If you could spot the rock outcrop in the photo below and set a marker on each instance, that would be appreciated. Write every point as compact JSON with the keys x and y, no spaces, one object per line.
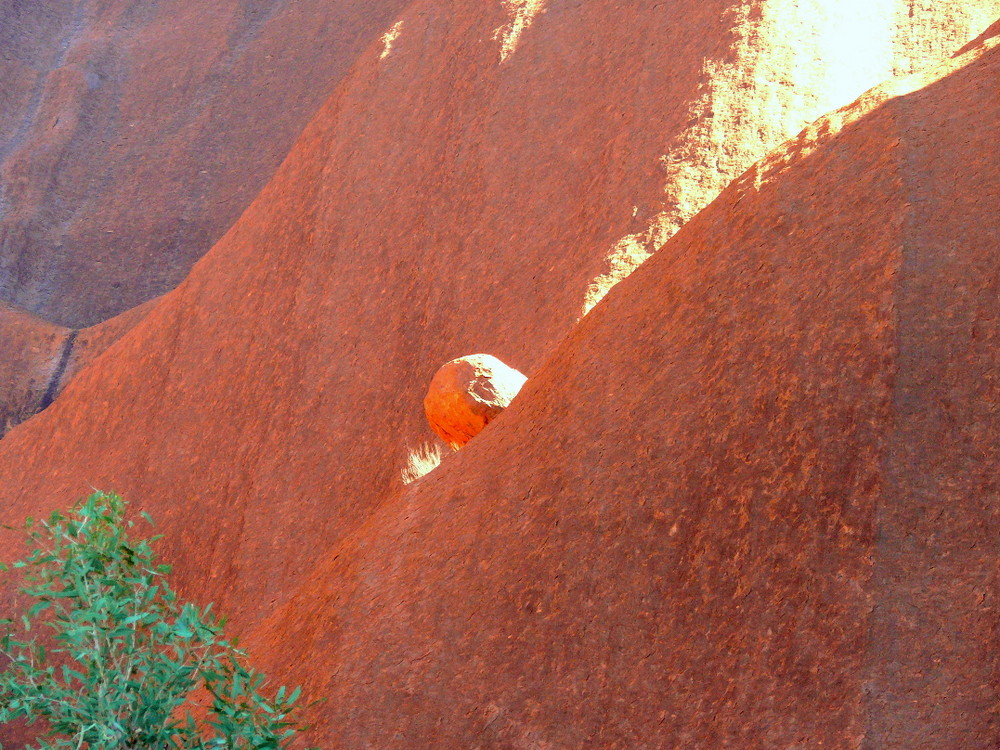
{"x":437,"y":166}
{"x":675,"y":526}
{"x":39,"y":359}
{"x":134,"y":133}
{"x":30,"y":354}
{"x":750,"y":501}
{"x":468,"y":393}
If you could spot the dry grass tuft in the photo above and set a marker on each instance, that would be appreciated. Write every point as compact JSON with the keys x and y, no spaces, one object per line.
{"x":421,"y":461}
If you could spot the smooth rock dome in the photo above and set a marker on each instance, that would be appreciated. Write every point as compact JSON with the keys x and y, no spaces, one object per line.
{"x":467,"y":394}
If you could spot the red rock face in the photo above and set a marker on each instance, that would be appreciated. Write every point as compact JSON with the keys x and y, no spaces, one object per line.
{"x":90,"y":343}
{"x":29,"y":368}
{"x":322,"y":312}
{"x":134,"y":133}
{"x":481,"y":177}
{"x":39,"y":359}
{"x":751,"y":500}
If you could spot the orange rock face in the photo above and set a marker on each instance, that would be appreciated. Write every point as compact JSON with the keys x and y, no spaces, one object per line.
{"x":693,"y":527}
{"x":749,"y":502}
{"x":39,"y":358}
{"x":467,"y":394}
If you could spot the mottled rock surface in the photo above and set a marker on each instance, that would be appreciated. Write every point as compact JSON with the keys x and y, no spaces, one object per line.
{"x":30,"y":353}
{"x":679,"y":532}
{"x":468,"y":393}
{"x":435,"y":166}
{"x":134,"y":133}
{"x":751,"y":500}
{"x":38,"y":359}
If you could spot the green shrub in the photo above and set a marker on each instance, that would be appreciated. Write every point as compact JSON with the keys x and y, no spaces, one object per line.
{"x":123,"y":658}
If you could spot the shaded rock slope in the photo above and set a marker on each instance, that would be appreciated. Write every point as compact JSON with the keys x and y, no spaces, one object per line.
{"x":134,"y":133}
{"x":480,"y":179}
{"x":39,"y":359}
{"x":751,"y":501}
{"x":31,"y":353}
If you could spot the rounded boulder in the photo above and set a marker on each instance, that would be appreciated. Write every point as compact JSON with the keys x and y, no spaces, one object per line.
{"x":467,"y":394}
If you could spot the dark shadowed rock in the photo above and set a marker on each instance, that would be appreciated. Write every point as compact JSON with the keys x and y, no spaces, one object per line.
{"x":134,"y":133}
{"x":30,"y":354}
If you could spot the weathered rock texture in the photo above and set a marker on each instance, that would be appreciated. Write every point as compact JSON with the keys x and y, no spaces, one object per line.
{"x":90,"y":343}
{"x":436,"y":166}
{"x":30,"y":353}
{"x":133,"y":133}
{"x":468,"y":188}
{"x":262,"y":387}
{"x":39,"y":359}
{"x":467,"y":394}
{"x":751,"y":501}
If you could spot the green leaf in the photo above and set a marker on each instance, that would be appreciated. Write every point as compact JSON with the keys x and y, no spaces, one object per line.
{"x":129,"y":653}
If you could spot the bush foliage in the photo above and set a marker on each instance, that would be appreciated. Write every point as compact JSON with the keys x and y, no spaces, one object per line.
{"x":108,"y":658}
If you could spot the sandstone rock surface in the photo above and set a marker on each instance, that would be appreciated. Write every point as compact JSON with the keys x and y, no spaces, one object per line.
{"x":484,"y":174}
{"x":39,"y":359}
{"x":134,"y":133}
{"x":468,"y":393}
{"x":434,"y":167}
{"x":750,"y":501}
{"x":30,"y":353}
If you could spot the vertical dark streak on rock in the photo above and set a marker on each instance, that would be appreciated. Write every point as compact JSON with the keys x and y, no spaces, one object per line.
{"x":57,"y":376}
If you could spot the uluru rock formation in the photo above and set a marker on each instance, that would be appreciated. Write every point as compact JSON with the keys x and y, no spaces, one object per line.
{"x":712,"y":514}
{"x":751,"y":499}
{"x":467,"y":394}
{"x":133,"y":133}
{"x":39,"y":358}
{"x":442,"y":201}
{"x":32,"y":351}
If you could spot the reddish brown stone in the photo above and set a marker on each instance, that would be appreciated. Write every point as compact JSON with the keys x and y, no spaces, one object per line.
{"x":672,"y":543}
{"x":467,"y":394}
{"x":441,"y":202}
{"x":134,"y":133}
{"x":30,"y":355}
{"x":39,"y":358}
{"x":751,"y":501}
{"x":90,"y":343}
